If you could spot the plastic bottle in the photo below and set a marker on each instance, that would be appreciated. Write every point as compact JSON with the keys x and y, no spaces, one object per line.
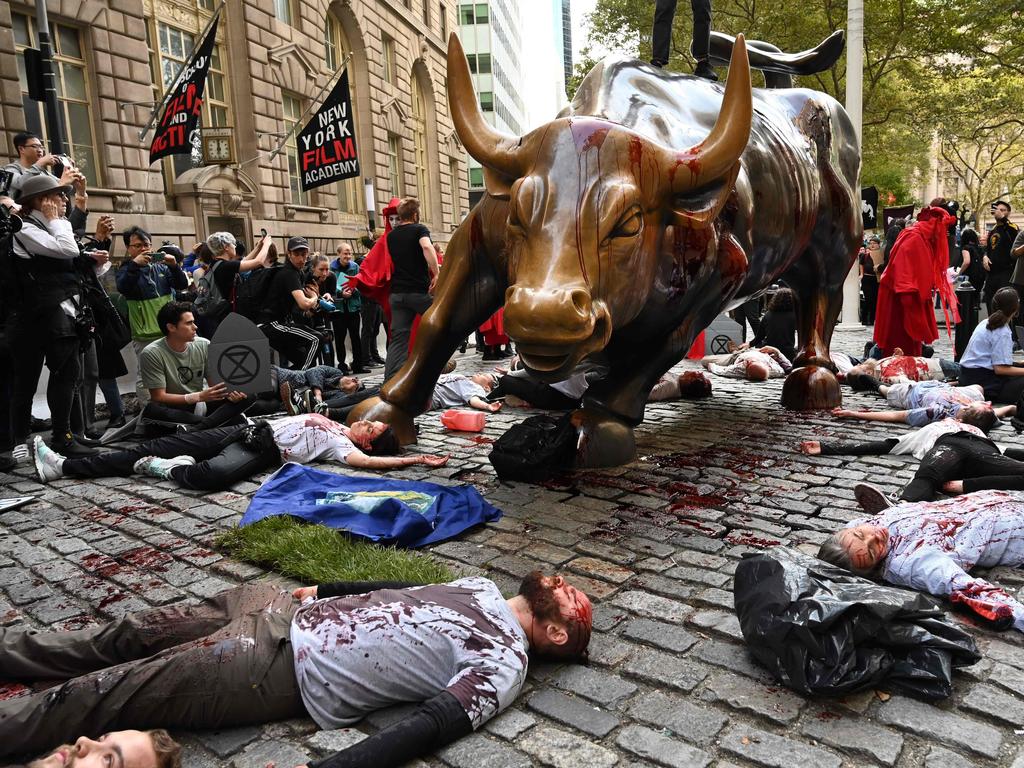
{"x":463,"y":421}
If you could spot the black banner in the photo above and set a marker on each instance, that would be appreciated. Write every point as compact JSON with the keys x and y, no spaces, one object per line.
{"x":180,"y":120}
{"x":891,"y":214}
{"x":327,"y":145}
{"x":869,"y":206}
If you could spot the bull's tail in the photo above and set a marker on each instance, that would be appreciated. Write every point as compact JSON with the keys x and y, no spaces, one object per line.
{"x":779,"y":67}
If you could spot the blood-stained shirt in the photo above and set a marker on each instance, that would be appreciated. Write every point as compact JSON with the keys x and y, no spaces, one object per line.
{"x":920,"y":441}
{"x":929,"y":401}
{"x":932,"y":545}
{"x":913,"y":368}
{"x":359,"y":653}
{"x":311,"y":436}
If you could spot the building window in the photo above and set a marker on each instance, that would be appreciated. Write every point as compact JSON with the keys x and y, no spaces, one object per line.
{"x":476,"y":178}
{"x":395,"y":165}
{"x":426,"y":14}
{"x":481,"y":13}
{"x":419,"y":136}
{"x":453,"y":173}
{"x":205,"y":5}
{"x":389,"y":59}
{"x":466,"y":15}
{"x":292,"y":114}
{"x":331,"y":32}
{"x":283,"y":10}
{"x":487,"y":101}
{"x":73,"y":95}
{"x":174,"y":46}
{"x":483,"y":63}
{"x":442,"y":17}
{"x":338,"y":50}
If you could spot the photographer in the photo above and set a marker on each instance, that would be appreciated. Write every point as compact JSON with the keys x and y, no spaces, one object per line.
{"x":33,"y":160}
{"x":50,"y":321}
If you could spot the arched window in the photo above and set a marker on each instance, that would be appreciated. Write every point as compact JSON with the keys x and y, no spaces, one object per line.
{"x":419,"y":137}
{"x":336,"y":51}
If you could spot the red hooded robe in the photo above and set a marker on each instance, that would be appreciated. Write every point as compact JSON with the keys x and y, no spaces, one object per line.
{"x":917,"y":265}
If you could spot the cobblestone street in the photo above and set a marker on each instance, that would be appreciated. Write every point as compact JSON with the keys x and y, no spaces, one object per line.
{"x":654,"y":543}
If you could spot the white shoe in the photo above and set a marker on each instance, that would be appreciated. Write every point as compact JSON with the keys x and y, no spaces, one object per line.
{"x":49,"y":463}
{"x":157,"y":467}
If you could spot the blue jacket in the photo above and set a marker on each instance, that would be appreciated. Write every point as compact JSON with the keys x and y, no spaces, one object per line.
{"x":147,"y":289}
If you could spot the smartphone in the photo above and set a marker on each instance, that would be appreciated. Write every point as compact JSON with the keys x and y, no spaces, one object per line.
{"x":263,"y":233}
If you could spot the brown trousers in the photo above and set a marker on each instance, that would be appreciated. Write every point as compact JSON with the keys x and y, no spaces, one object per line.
{"x":222,"y":663}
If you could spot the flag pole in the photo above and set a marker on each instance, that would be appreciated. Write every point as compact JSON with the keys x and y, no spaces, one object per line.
{"x":170,"y":90}
{"x":313,"y":103}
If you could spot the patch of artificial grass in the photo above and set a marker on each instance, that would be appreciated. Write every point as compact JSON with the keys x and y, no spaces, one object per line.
{"x":315,"y":554}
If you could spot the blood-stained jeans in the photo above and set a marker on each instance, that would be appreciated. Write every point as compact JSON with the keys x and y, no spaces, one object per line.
{"x":223,"y":663}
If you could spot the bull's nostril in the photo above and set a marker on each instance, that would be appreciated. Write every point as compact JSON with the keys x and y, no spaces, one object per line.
{"x":580,"y":301}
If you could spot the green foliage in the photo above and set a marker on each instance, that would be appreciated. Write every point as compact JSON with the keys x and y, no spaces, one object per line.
{"x":315,"y":554}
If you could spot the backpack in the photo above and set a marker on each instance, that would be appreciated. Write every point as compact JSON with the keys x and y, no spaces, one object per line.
{"x":251,"y":292}
{"x":535,"y":449}
{"x":209,"y":301}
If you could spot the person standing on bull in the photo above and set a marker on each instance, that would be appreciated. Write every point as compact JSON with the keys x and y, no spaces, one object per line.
{"x":412,"y":281}
{"x":998,"y":260}
{"x":664,"y":13}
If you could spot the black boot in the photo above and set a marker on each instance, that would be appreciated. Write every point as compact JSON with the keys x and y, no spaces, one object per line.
{"x":66,"y":445}
{"x":705,"y":70}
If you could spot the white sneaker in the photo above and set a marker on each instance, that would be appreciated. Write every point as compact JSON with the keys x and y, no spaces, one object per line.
{"x":49,"y":463}
{"x":157,"y":467}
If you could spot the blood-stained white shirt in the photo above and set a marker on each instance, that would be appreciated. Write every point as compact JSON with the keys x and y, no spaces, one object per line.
{"x":932,"y":545}
{"x":360,"y":653}
{"x":310,"y":436}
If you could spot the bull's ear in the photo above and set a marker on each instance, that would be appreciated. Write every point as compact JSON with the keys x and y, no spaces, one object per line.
{"x":701,"y":206}
{"x":497,"y":184}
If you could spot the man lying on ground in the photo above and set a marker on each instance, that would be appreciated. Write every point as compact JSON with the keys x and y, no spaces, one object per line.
{"x":322,"y":389}
{"x":688,"y":384}
{"x":116,"y":749}
{"x":215,"y":459}
{"x":923,"y":402}
{"x":750,"y":364}
{"x":949,"y":450}
{"x":931,"y":546}
{"x":335,"y":653}
{"x":899,"y":367}
{"x":521,"y":387}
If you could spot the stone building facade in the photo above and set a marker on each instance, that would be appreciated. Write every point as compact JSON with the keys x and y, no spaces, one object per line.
{"x":272,"y":61}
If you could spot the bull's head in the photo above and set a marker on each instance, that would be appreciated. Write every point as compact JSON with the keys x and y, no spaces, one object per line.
{"x":589,"y":204}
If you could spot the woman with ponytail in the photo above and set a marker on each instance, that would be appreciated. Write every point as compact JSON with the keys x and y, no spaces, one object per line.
{"x":988,"y":359}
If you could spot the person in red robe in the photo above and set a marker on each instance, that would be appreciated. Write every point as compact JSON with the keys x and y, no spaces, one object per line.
{"x":374,"y":276}
{"x":905,"y":317}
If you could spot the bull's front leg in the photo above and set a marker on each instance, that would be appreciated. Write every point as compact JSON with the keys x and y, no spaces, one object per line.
{"x":468,"y":292}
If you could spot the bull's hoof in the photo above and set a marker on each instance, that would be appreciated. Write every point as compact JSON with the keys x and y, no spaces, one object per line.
{"x":811,"y":388}
{"x":605,"y":440}
{"x":375,"y":409}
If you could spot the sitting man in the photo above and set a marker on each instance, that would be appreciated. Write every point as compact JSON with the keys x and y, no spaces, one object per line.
{"x":949,"y":450}
{"x":335,"y":653}
{"x":750,"y":364}
{"x":923,"y":402}
{"x":930,"y":546}
{"x":215,"y":459}
{"x":899,"y":367}
{"x":173,"y":369}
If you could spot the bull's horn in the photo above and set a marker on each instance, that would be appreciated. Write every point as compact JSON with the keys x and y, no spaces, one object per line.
{"x":719,"y":152}
{"x":491,"y":148}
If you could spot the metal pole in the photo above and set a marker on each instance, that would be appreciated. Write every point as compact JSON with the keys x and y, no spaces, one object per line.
{"x":53,"y":130}
{"x":854,"y":107}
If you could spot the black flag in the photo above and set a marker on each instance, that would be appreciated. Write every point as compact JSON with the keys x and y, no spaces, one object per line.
{"x":327,"y":145}
{"x":184,"y":103}
{"x":891,"y":214}
{"x":869,"y":206}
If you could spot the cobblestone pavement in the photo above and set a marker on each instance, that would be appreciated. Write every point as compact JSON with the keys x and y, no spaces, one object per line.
{"x":655,"y":543}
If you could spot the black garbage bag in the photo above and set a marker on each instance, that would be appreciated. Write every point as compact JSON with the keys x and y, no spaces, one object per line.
{"x":820,"y":630}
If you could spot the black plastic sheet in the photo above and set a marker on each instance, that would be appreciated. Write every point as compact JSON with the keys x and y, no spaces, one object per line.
{"x":822,"y":631}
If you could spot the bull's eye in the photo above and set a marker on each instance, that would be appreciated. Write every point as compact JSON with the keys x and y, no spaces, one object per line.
{"x":629,"y":225}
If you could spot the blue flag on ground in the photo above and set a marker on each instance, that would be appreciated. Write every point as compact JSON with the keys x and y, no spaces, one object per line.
{"x":398,"y":512}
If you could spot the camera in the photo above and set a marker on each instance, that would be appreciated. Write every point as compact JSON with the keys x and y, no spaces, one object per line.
{"x":10,"y":223}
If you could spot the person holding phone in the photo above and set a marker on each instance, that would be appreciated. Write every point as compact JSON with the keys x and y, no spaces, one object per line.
{"x":147,"y":280}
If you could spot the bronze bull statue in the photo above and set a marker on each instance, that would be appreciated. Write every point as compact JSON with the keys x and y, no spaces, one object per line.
{"x":651,"y":204}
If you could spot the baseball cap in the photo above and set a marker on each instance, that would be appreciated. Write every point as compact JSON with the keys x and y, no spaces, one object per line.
{"x":297,"y":243}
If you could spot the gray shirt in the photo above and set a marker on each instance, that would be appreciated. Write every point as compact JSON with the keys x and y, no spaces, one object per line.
{"x":454,"y":389}
{"x":360,"y":653}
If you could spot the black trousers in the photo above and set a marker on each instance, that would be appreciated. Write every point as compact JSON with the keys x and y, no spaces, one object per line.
{"x":297,"y":343}
{"x":372,"y":317}
{"x":347,"y":323}
{"x":993,"y":282}
{"x":536,"y":393}
{"x":404,"y":309}
{"x":219,"y":462}
{"x":661,"y":42}
{"x":48,"y":336}
{"x":223,"y":663}
{"x":998,"y":389}
{"x":217,"y":414}
{"x":869,"y":285}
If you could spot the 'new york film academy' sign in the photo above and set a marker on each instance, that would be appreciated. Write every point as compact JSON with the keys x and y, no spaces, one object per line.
{"x":184,"y":105}
{"x":327,"y":145}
